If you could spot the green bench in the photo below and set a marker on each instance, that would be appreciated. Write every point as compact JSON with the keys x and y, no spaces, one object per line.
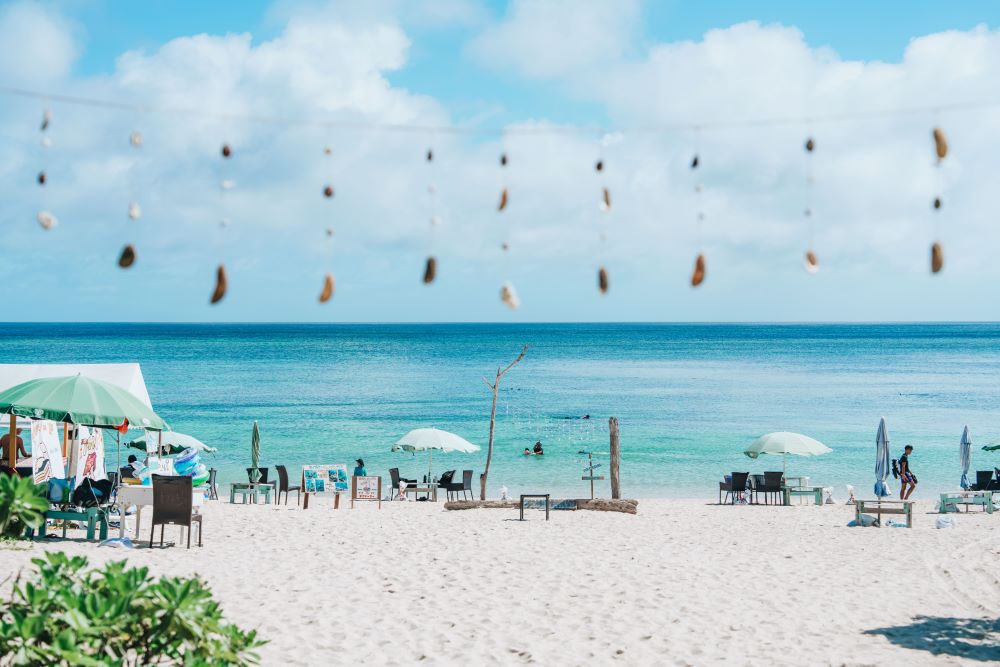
{"x":814,"y":491}
{"x":956,"y":498}
{"x":94,"y":516}
{"x":251,"y":491}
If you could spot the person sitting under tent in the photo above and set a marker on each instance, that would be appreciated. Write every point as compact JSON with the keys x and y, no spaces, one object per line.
{"x":5,"y":445}
{"x":131,"y":468}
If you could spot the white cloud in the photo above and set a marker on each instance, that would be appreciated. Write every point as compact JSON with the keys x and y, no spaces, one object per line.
{"x":37,"y":45}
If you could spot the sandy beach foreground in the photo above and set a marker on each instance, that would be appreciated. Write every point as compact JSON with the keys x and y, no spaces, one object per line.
{"x":683,"y":582}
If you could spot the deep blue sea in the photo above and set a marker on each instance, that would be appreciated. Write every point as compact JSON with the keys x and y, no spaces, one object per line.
{"x":689,"y":397}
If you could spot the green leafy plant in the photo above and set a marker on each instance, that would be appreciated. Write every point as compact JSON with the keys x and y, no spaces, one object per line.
{"x":20,"y":505}
{"x":66,"y":614}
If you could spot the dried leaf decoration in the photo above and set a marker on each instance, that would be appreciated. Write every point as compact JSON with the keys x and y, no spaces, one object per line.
{"x":602,"y":280}
{"x":46,"y":120}
{"x":221,"y":284}
{"x":940,"y":143}
{"x":327,"y":292}
{"x":503,"y":200}
{"x":503,"y":159}
{"x":42,"y":178}
{"x":430,"y":155}
{"x":937,"y":258}
{"x":694,"y":162}
{"x":226,"y":150}
{"x":698,"y":277}
{"x":134,"y":211}
{"x":47,"y":220}
{"x":127,"y":257}
{"x":430,"y":270}
{"x":606,"y":200}
{"x":328,"y":191}
{"x":509,"y":296}
{"x":135,"y":139}
{"x":937,"y":203}
{"x":810,"y":145}
{"x":599,"y":167}
{"x":812,"y":263}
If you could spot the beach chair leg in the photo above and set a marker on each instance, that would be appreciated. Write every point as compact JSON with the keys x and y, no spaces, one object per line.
{"x":152,"y":534}
{"x":201,"y":528}
{"x":162,"y":527}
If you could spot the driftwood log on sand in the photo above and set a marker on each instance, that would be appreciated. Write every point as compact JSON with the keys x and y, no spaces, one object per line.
{"x":599,"y":505}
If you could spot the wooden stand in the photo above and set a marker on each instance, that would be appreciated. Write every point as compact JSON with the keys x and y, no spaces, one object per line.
{"x":354,"y":492}
{"x":615,"y":457}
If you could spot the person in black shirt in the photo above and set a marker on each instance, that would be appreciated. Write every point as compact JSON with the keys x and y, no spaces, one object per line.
{"x":907,"y":480}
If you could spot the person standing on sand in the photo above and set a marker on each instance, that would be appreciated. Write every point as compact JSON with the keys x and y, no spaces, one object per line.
{"x":5,"y":446}
{"x":359,"y":470}
{"x":906,"y":477}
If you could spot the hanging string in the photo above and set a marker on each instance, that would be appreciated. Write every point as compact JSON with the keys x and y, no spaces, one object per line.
{"x":508,"y":294}
{"x":941,"y":151}
{"x":225,"y":184}
{"x":812,"y":262}
{"x":605,"y":207}
{"x":329,"y":282}
{"x":698,"y":275}
{"x":846,"y":116}
{"x":44,"y":217}
{"x":430,"y":267}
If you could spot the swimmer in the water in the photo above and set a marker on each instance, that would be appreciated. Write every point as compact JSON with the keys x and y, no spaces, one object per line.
{"x":538,"y":448}
{"x":527,"y":452}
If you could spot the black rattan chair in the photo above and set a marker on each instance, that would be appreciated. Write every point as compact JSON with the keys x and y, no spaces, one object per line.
{"x":738,"y":485}
{"x":173,"y":504}
{"x":983,"y":480}
{"x":463,"y":487}
{"x":396,"y":479}
{"x":283,"y":486}
{"x":772,"y":486}
{"x":263,"y":475}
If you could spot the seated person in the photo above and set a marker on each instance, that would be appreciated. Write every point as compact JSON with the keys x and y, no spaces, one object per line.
{"x":538,"y":448}
{"x":5,"y":445}
{"x":132,"y":468}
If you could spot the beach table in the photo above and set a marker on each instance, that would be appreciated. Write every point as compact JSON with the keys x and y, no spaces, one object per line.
{"x":984,"y":498}
{"x":430,"y":488}
{"x":881,"y":506}
{"x":800,"y":481}
{"x":142,"y":496}
{"x":252,"y":489}
{"x":815,"y":491}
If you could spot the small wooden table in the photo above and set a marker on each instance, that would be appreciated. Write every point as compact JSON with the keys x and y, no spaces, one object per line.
{"x":430,"y":488}
{"x":535,"y":495}
{"x":815,"y":491}
{"x":251,"y":489}
{"x":984,"y":498}
{"x":880,"y":507}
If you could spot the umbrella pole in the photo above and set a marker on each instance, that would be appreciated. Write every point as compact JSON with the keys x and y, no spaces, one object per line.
{"x":118,"y":443}
{"x":430,"y":464}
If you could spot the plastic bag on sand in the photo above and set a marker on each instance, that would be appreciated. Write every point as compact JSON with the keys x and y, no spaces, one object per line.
{"x":945,"y":522}
{"x":118,"y":543}
{"x":866,"y":520}
{"x":828,"y":496}
{"x":850,"y":496}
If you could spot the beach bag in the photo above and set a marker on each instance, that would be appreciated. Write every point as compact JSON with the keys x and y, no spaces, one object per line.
{"x":895,"y":468}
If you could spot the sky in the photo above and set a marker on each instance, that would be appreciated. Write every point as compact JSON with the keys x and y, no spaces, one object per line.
{"x":556,"y":86}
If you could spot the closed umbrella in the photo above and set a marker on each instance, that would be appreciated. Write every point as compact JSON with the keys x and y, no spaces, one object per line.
{"x":785,"y":443}
{"x":254,"y":453}
{"x":965,"y":456}
{"x":882,"y":462}
{"x":429,"y":439}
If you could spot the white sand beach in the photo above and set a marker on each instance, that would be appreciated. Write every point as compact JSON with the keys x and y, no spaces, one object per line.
{"x":683,"y":582}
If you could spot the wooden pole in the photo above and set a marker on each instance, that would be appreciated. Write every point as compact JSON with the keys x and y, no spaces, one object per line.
{"x":495,"y":388}
{"x":65,"y":441}
{"x":12,"y":445}
{"x":615,"y":454}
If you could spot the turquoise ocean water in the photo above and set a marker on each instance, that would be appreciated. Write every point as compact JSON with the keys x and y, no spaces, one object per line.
{"x":689,"y":397}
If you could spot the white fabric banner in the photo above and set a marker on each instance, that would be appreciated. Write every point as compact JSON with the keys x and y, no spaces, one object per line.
{"x":46,"y":451}
{"x":90,"y":454}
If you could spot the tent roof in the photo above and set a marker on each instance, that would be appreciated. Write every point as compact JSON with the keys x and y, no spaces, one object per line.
{"x":126,"y":376}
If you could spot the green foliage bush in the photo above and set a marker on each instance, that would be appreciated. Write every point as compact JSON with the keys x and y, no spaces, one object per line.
{"x":66,"y":614}
{"x":20,"y":505}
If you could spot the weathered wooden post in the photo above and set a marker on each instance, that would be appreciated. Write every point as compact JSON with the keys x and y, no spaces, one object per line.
{"x":615,"y":455}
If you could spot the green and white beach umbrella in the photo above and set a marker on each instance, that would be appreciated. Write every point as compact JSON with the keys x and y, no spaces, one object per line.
{"x":255,"y":453}
{"x":785,"y":443}
{"x":430,"y":439}
{"x":78,"y":399}
{"x":174,"y":442}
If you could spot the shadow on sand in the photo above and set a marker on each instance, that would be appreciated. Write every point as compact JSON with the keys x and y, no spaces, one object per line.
{"x":969,"y":638}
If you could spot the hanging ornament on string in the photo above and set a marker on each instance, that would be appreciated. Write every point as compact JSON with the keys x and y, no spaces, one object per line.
{"x":698,"y":275}
{"x":811,"y":261}
{"x":941,"y":151}
{"x":430,"y":265}
{"x":329,"y":282}
{"x":605,"y":206}
{"x":45,"y":219}
{"x":127,"y":256}
{"x":226,"y":184}
{"x":508,"y":294}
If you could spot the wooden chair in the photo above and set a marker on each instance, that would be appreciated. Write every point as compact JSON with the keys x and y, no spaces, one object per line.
{"x":283,"y":486}
{"x":173,"y":504}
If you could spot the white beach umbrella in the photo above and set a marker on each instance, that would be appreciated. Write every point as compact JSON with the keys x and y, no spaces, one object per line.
{"x":785,"y":443}
{"x":430,"y":439}
{"x":882,"y":463}
{"x":965,"y":456}
{"x":173,"y":439}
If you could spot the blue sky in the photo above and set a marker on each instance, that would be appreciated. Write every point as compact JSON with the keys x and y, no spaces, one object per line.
{"x":463,"y":63}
